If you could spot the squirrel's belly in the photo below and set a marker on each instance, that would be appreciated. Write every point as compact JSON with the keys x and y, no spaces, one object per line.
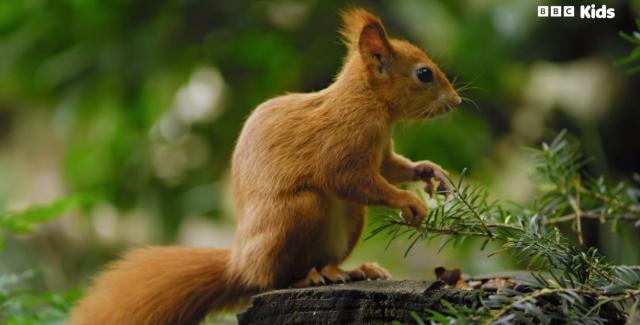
{"x":336,"y":230}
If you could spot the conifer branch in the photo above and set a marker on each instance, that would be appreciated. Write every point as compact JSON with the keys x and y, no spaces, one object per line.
{"x":582,"y":279}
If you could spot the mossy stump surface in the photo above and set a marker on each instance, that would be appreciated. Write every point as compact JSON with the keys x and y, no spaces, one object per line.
{"x":382,"y":302}
{"x":364,"y":302}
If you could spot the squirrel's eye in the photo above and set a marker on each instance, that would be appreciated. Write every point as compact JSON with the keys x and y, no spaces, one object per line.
{"x":424,"y":74}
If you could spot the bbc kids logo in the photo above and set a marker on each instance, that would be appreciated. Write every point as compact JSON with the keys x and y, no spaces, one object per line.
{"x":585,"y":12}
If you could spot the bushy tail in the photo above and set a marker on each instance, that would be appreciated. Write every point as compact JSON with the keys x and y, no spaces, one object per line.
{"x":160,"y":285}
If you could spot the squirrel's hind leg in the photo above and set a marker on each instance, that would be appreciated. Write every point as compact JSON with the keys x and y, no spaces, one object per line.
{"x":355,"y":217}
{"x":352,"y":218}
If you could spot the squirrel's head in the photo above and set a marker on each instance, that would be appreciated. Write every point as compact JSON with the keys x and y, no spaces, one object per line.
{"x":399,"y":72}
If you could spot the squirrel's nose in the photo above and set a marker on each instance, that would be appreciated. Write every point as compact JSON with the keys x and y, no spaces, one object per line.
{"x":456,"y":100}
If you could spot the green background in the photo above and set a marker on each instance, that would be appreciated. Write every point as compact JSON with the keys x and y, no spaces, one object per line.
{"x":124,"y":115}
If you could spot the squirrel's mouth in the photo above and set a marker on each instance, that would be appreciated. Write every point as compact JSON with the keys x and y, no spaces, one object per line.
{"x":435,"y":111}
{"x":441,"y":106}
{"x":445,"y":108}
{"x":448,"y":104}
{"x":437,"y":108}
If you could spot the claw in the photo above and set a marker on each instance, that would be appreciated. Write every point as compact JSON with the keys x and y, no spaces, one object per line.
{"x":313,"y":278}
{"x":357,"y":275}
{"x":434,"y":176}
{"x":334,"y":274}
{"x":372,"y":271}
{"x":423,"y":172}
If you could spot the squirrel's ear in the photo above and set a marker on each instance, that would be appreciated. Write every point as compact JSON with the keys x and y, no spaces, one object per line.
{"x":374,"y":47}
{"x":364,"y":33}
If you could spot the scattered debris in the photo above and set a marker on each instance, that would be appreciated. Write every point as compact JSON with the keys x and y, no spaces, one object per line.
{"x":450,"y":277}
{"x":453,"y":279}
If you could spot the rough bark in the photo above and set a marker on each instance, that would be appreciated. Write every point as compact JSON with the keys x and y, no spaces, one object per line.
{"x":365,"y":302}
{"x":378,"y":302}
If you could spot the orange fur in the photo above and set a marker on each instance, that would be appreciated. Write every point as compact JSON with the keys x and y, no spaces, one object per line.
{"x":303,"y":170}
{"x":160,"y":285}
{"x":354,"y":20}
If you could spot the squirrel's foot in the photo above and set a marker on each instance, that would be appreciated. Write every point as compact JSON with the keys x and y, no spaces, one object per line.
{"x":369,"y":271}
{"x":335,"y":274}
{"x":313,"y":278}
{"x":328,"y":274}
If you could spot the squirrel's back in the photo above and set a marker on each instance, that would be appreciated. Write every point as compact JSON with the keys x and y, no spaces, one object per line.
{"x":271,"y":154}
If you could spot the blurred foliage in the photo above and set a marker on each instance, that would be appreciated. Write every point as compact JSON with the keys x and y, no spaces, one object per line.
{"x":23,"y":305}
{"x":120,"y":117}
{"x":634,"y":56}
{"x":25,"y":308}
{"x":24,"y":222}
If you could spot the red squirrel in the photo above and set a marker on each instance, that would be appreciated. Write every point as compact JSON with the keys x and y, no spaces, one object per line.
{"x":304,"y":169}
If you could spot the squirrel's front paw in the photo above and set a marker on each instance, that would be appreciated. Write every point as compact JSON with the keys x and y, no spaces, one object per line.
{"x":413,"y":209}
{"x":433,"y":175}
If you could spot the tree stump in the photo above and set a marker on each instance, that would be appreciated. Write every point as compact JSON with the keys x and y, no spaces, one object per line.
{"x":384,"y":302}
{"x":364,"y":302}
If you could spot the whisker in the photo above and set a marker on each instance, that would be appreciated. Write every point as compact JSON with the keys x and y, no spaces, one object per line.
{"x":469,"y":84}
{"x":471,"y":101}
{"x":419,"y":113}
{"x":466,"y":87}
{"x":454,"y":80}
{"x":422,"y":112}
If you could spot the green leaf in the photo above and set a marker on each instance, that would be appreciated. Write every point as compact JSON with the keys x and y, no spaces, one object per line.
{"x":22,"y":221}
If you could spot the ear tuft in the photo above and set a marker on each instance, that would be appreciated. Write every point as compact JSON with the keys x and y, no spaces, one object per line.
{"x":373,"y":43}
{"x":354,"y":21}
